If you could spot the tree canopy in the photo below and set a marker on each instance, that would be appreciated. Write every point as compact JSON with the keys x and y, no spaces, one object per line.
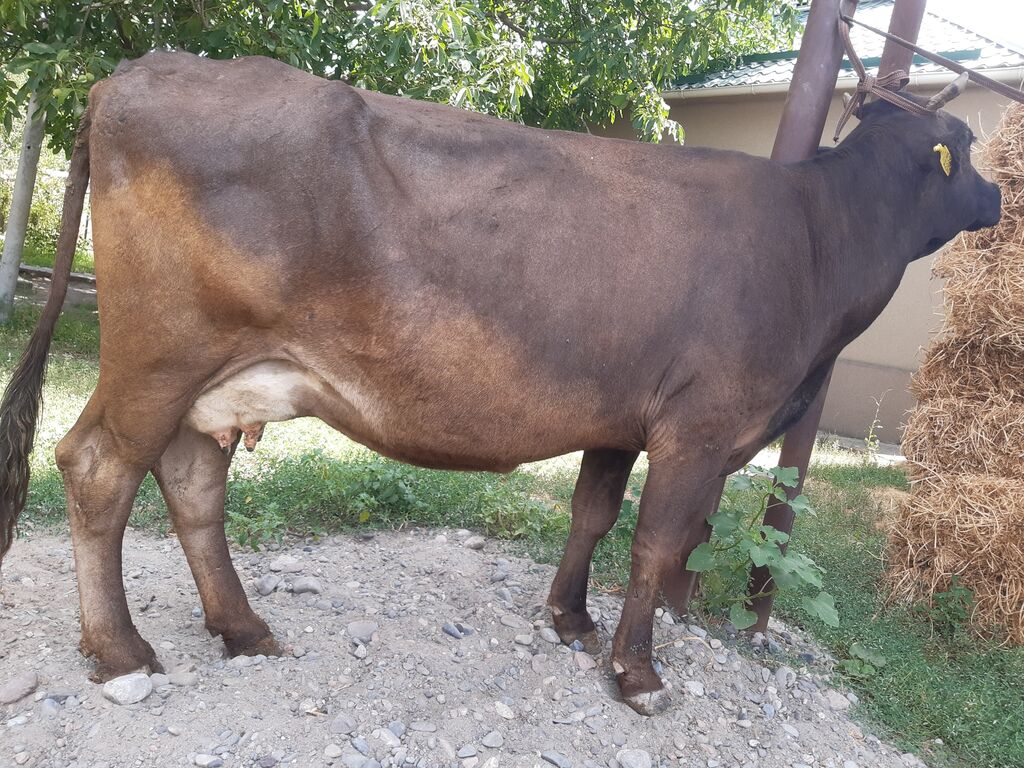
{"x":552,"y":63}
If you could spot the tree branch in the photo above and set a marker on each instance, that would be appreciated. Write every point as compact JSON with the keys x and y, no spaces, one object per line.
{"x":504,"y":19}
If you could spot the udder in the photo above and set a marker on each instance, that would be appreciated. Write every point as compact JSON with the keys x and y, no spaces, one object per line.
{"x":268,"y":391}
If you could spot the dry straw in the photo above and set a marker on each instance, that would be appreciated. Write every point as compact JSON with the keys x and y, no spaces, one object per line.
{"x":965,"y":439}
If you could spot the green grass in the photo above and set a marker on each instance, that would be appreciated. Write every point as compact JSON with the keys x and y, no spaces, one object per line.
{"x":35,"y":256}
{"x":307,"y":479}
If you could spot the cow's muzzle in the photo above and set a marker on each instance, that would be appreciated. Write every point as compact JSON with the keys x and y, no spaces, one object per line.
{"x":990,"y":207}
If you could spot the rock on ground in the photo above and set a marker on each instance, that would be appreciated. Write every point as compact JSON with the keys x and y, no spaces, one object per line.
{"x":370,"y":680}
{"x":18,"y":687}
{"x":128,"y":689}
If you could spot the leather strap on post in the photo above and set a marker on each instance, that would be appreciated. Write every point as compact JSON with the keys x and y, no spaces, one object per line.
{"x":883,"y":87}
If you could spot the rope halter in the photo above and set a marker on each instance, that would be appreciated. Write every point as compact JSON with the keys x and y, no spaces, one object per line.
{"x":884,"y":87}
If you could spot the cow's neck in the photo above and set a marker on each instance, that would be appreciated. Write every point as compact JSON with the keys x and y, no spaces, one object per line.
{"x":860,"y":205}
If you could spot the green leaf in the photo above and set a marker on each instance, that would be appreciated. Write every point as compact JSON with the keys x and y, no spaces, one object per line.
{"x":740,"y":483}
{"x":773,"y":534}
{"x":724,"y":522}
{"x":783,"y":578}
{"x":801,"y":505}
{"x":702,"y":558}
{"x":787,"y":476}
{"x":857,"y":668}
{"x":763,"y":554}
{"x":740,"y":617}
{"x":822,"y":606}
{"x":864,"y":653}
{"x":38,"y":49}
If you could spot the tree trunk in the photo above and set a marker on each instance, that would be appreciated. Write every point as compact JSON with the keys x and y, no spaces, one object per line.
{"x":21,"y":203}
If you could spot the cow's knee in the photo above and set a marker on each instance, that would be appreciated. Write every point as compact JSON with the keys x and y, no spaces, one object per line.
{"x":74,"y":453}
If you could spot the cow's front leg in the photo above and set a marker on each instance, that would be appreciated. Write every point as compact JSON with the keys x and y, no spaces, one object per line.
{"x":192,"y":473}
{"x":101,"y":483}
{"x":674,"y":501}
{"x":595,"y":508}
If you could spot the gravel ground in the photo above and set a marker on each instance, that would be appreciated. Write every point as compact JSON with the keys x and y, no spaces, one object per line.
{"x":406,"y":649}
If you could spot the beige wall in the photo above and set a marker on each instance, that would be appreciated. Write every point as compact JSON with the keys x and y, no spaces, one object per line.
{"x":878,"y":364}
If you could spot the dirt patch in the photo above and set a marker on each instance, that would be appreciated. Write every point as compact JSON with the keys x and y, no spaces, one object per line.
{"x":459,"y":671}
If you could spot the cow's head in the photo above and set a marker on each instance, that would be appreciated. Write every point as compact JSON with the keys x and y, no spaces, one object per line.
{"x":948,"y":194}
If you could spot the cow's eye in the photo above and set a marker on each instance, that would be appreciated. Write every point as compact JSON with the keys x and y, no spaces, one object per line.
{"x":945,"y":158}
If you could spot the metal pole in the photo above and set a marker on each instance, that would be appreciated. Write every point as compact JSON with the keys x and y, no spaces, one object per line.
{"x":803,"y":119}
{"x":799,"y":441}
{"x":906,"y":23}
{"x":814,"y":82}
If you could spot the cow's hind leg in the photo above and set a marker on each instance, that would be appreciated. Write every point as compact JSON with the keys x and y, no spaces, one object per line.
{"x":192,"y":473}
{"x":675,"y":499}
{"x":595,"y":508}
{"x":102,"y":471}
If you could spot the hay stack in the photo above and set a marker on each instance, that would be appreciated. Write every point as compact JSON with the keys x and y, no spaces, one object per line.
{"x":965,"y":439}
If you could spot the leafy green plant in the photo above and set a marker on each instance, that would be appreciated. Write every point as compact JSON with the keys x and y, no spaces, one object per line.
{"x":256,"y":527}
{"x":949,"y":611}
{"x":526,"y":518}
{"x":863,"y":662}
{"x":740,"y":540}
{"x":381,"y":485}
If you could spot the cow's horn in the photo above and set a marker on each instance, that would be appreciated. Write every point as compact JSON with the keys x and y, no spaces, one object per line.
{"x":948,"y":93}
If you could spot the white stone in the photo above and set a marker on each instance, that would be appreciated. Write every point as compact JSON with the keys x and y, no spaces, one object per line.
{"x":362,"y":631}
{"x":694,"y":687}
{"x":128,"y":689}
{"x":633,"y":758}
{"x":836,"y":700}
{"x":286,"y":564}
{"x":585,"y":661}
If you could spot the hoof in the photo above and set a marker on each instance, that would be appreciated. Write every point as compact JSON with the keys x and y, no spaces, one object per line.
{"x":649,"y":703}
{"x":265,"y":645}
{"x":590,"y":640}
{"x":108,"y":666}
{"x":572,"y":627}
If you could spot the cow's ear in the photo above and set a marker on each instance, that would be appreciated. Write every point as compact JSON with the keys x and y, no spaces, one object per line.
{"x":945,"y":158}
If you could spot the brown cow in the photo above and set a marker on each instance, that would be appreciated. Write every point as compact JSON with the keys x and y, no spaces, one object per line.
{"x":456,"y":292}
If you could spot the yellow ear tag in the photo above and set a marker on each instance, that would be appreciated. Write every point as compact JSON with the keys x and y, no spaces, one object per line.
{"x":945,"y":158}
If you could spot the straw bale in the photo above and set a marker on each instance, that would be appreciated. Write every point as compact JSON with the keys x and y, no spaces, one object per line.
{"x":965,"y":438}
{"x":969,"y":366}
{"x":985,"y":293}
{"x":971,"y":526}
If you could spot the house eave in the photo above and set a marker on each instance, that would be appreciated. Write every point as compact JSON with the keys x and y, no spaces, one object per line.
{"x":1010,"y":75}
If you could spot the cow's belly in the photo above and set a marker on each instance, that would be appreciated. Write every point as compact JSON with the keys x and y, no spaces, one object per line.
{"x":450,"y":424}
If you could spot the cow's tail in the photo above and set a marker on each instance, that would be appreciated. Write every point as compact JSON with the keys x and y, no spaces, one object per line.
{"x":19,"y":409}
